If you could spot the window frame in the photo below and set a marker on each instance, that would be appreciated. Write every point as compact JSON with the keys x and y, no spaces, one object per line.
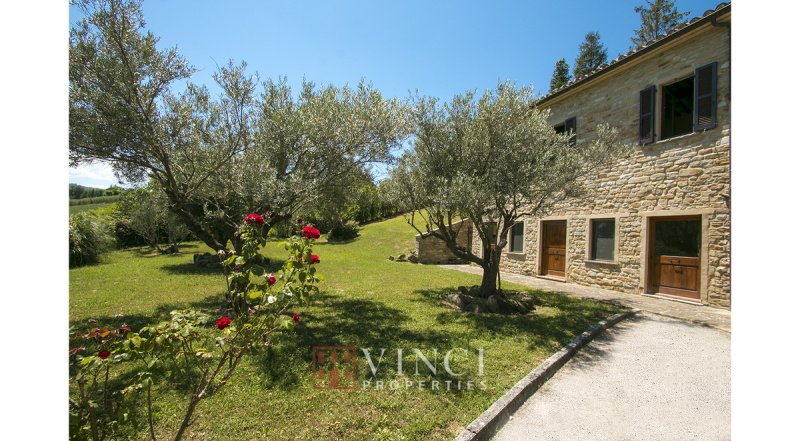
{"x":661,"y":103}
{"x":510,"y":238}
{"x":657,"y":103}
{"x":569,"y":124}
{"x":590,"y":237}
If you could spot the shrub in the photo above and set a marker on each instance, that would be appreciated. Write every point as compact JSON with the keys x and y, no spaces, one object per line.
{"x":343,"y":232}
{"x":144,"y":213}
{"x":89,"y":236}
{"x":193,"y":350}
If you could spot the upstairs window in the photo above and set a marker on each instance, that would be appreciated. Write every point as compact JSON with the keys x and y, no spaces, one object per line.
{"x":568,"y":126}
{"x":677,"y":108}
{"x":687,"y":105}
{"x":516,"y":239}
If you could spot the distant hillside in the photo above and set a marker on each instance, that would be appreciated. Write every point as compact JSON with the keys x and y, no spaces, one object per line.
{"x":77,"y":191}
{"x":95,"y":200}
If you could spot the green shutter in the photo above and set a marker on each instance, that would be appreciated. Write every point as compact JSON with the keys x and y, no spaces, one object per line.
{"x":571,"y":126}
{"x":647,"y":115}
{"x":705,"y":97}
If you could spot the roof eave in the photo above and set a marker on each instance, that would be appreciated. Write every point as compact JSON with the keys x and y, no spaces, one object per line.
{"x":712,"y":18}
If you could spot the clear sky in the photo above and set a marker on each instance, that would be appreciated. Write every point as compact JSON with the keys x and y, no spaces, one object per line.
{"x":439,"y":48}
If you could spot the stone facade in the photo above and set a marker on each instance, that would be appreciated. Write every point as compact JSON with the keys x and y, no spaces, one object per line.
{"x":684,"y":175}
{"x":433,"y":250}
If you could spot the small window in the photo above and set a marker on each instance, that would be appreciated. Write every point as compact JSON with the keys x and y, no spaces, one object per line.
{"x":677,"y":110}
{"x":688,"y":105}
{"x":602,"y":239}
{"x":517,"y":236}
{"x":568,"y":126}
{"x":492,"y":232}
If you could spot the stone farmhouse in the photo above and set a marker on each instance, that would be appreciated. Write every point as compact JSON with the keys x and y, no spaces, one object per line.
{"x":658,"y":223}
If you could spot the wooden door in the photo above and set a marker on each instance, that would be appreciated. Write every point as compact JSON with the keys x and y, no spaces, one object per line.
{"x":674,"y":255}
{"x":554,"y":248}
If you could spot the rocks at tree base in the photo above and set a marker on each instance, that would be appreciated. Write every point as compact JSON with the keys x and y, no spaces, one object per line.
{"x":478,"y":308}
{"x":456,"y":300}
{"x":495,"y":304}
{"x":207,"y":260}
{"x":410,"y":257}
{"x":466,"y":299}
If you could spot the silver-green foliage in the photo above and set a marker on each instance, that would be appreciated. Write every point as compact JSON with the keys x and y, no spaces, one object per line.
{"x":258,"y":147}
{"x":89,"y":236}
{"x":491,"y":159}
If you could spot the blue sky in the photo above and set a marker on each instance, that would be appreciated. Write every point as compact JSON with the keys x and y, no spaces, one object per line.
{"x":439,"y":48}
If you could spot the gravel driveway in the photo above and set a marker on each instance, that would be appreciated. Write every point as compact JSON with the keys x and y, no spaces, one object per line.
{"x":648,"y":378}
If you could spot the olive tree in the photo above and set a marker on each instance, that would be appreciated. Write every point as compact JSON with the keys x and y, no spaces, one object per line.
{"x":255,"y":148}
{"x":491,"y":160}
{"x":146,"y":213}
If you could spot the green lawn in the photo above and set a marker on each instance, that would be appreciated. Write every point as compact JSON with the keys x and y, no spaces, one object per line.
{"x":367,"y":301}
{"x":73,"y":209}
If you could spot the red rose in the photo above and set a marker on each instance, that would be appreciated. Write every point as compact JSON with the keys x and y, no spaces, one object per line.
{"x":253,"y":218}
{"x":103,"y":354}
{"x":310,"y":232}
{"x":314,"y":259}
{"x":223,"y":322}
{"x":296,"y":317}
{"x":271,"y":279}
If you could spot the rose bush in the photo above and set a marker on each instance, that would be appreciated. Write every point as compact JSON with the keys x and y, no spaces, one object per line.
{"x":254,"y":218}
{"x":116,"y":384}
{"x":310,"y":232}
{"x":223,"y":323}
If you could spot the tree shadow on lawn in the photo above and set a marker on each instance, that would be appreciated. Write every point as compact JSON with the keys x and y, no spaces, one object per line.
{"x":572,"y":316}
{"x":339,"y":242}
{"x":189,"y":268}
{"x":209,"y":305}
{"x":148,"y":252}
{"x":345,"y":321}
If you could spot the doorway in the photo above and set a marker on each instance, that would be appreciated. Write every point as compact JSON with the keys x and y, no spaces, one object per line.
{"x":674,"y":256}
{"x":554,"y":248}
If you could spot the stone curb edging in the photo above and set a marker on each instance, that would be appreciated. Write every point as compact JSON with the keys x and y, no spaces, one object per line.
{"x":491,"y":420}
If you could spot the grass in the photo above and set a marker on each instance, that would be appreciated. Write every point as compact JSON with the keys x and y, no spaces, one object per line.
{"x":367,"y":302}
{"x":73,"y":209}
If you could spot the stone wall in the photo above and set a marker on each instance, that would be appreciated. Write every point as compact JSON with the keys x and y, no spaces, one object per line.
{"x":433,"y":250}
{"x":685,"y":175}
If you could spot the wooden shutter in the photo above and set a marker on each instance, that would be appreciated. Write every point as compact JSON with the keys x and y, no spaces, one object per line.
{"x":705,"y":97}
{"x":647,"y":115}
{"x":571,"y":126}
